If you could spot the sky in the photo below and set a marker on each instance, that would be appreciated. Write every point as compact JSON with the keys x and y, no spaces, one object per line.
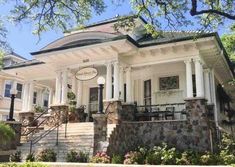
{"x":23,"y":42}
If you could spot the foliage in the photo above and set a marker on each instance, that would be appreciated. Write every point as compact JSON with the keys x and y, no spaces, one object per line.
{"x":165,"y":155}
{"x":38,"y":109}
{"x":227,"y":149}
{"x":72,"y":101}
{"x":228,"y":41}
{"x":73,"y":156}
{"x":27,"y":164}
{"x":7,"y":133}
{"x":15,"y":157}
{"x":117,"y":159}
{"x":168,"y":14}
{"x":30,"y":157}
{"x":47,"y":155}
{"x":188,"y":158}
{"x":55,"y":14}
{"x":100,"y":157}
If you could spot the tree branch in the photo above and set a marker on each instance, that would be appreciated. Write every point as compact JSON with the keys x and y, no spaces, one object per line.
{"x":194,"y":11}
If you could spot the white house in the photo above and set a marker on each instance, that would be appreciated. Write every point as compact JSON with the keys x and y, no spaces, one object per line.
{"x":6,"y":83}
{"x":138,"y":68}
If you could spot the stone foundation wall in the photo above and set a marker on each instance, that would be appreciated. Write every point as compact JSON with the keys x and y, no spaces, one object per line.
{"x":179,"y":134}
{"x":198,"y":132}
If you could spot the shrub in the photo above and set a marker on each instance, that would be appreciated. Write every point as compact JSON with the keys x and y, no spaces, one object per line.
{"x":227,"y":158}
{"x":188,"y":158}
{"x":100,"y":157}
{"x":15,"y":157}
{"x":133,"y":157}
{"x":30,"y":157}
{"x":72,"y":156}
{"x":7,"y":133}
{"x":47,"y":155}
{"x":117,"y":159}
{"x":27,"y":164}
{"x":83,"y":157}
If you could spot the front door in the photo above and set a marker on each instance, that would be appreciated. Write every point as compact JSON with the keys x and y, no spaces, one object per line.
{"x":147,"y":93}
{"x":93,"y":100}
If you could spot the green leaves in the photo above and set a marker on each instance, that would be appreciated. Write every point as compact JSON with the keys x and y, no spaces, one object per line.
{"x":53,"y":14}
{"x":7,"y":133}
{"x":228,"y":41}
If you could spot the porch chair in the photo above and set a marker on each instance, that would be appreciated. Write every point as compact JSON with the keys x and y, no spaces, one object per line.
{"x":170,"y":112}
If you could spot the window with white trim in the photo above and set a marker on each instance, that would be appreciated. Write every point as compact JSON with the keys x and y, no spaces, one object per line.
{"x":34,"y":97}
{"x":8,"y":86}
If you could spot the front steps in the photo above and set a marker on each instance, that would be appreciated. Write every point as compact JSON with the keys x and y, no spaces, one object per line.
{"x":80,"y":137}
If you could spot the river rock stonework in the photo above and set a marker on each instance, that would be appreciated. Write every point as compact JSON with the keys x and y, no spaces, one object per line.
{"x":193,"y":133}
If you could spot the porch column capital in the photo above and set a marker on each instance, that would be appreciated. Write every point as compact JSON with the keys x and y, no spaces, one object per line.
{"x":187,"y":61}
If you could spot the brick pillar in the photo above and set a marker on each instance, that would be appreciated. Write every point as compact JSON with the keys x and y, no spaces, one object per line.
{"x":59,"y":112}
{"x":203,"y":130}
{"x":100,"y":132}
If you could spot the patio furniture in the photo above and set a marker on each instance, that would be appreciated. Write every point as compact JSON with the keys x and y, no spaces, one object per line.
{"x":170,"y":112}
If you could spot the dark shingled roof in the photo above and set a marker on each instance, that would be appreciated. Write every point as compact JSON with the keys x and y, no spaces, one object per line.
{"x":24,"y":64}
{"x":17,"y":55}
{"x":167,"y":36}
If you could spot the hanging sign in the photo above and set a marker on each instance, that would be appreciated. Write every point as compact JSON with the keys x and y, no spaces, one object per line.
{"x":87,"y":73}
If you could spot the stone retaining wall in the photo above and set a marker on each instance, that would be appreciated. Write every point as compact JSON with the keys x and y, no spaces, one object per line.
{"x":197,"y":132}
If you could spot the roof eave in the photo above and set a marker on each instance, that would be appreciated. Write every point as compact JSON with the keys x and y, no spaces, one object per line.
{"x":127,"y":37}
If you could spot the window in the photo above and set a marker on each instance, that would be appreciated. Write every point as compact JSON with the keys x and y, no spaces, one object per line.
{"x":34,"y":97}
{"x":45,"y":99}
{"x":4,"y":117}
{"x":167,"y":83}
{"x":124,"y":92}
{"x":19,"y":88}
{"x":7,"y":92}
{"x":194,"y":85}
{"x":8,"y":86}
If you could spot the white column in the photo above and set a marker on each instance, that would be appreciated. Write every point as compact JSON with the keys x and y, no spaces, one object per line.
{"x":121,"y":83}
{"x":79,"y":93}
{"x":199,"y":78}
{"x":213,"y":88}
{"x":25,"y":97}
{"x":109,"y":81}
{"x":116,"y":80}
{"x":74,"y":85}
{"x":50,"y":101}
{"x":30,"y":97}
{"x":189,"y":81}
{"x":64,"y":87}
{"x":58,"y":88}
{"x":128,"y":85}
{"x":207,"y":85}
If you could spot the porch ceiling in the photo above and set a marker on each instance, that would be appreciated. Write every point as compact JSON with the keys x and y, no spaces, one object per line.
{"x":40,"y":71}
{"x":214,"y":58}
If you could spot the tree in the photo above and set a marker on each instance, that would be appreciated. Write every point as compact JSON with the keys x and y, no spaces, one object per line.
{"x":228,"y":41}
{"x":161,"y":14}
